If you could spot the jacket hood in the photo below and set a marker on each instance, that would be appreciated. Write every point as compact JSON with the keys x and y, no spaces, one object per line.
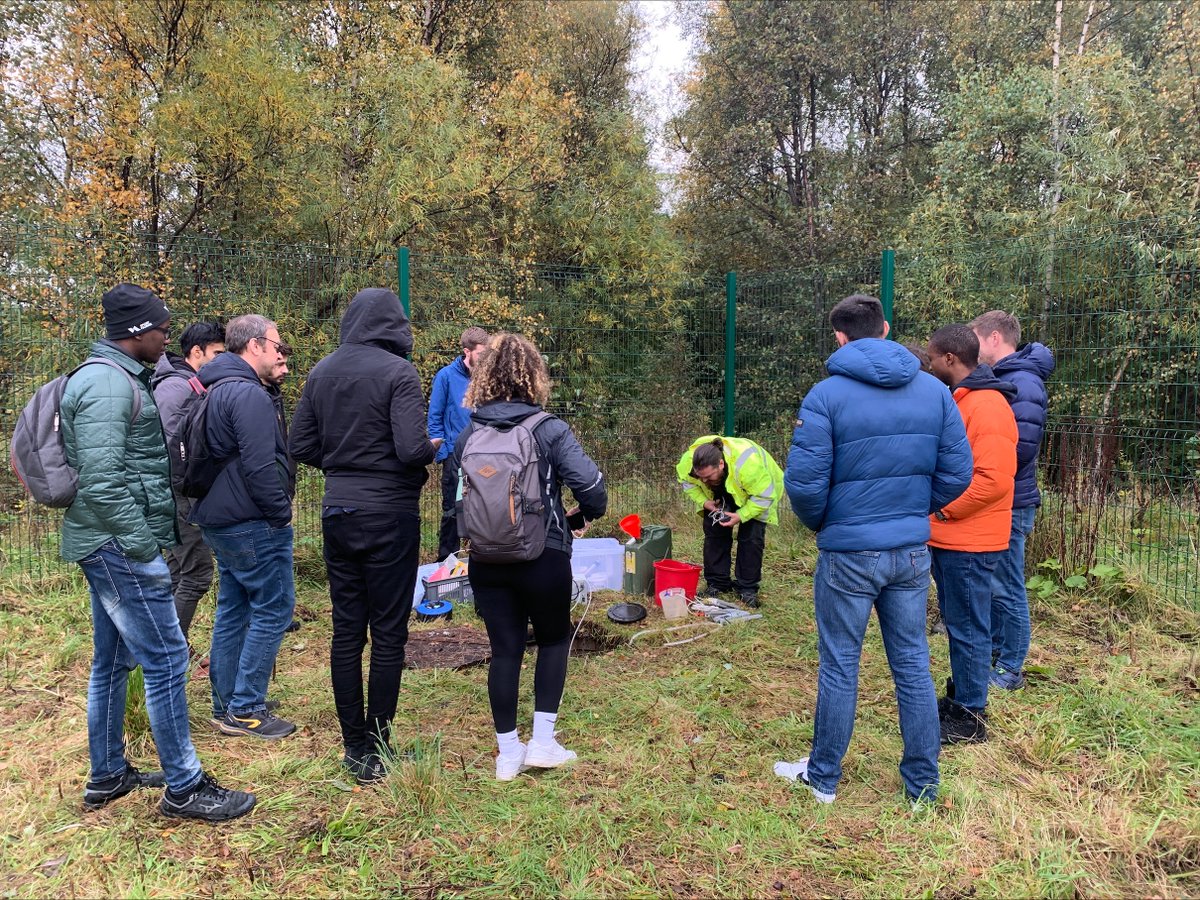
{"x":1032,"y":357}
{"x":376,"y":318}
{"x":504,"y":411}
{"x":874,"y":361}
{"x":168,"y":365}
{"x":228,"y":365}
{"x":984,"y":379}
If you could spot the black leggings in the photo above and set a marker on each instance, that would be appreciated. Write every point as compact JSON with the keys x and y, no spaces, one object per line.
{"x":508,"y":597}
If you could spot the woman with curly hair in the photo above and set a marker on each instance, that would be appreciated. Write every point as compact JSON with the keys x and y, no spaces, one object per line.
{"x":510,"y":384}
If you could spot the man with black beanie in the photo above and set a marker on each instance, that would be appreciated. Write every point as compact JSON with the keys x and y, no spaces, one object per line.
{"x":122,"y":518}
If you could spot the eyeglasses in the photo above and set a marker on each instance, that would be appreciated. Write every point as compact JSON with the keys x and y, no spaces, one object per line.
{"x":165,"y":329}
{"x":281,"y":348}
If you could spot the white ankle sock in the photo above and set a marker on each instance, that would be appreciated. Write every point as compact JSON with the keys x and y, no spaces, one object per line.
{"x":509,"y":743}
{"x":543,"y":727}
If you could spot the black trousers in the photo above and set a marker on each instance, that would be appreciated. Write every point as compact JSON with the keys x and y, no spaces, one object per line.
{"x":448,"y":540}
{"x":371,"y":559}
{"x":718,"y":548}
{"x":508,"y":597}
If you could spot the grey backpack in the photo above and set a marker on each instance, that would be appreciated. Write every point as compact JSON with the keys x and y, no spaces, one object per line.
{"x":38,"y":454}
{"x":503,"y":512}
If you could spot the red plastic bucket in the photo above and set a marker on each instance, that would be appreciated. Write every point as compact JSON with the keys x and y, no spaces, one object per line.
{"x":671,"y":573}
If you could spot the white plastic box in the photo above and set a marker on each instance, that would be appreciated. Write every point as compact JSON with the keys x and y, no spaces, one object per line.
{"x":598,"y":561}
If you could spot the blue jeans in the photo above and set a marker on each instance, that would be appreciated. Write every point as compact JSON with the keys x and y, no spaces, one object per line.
{"x":134,"y":623}
{"x":255,"y":598}
{"x":1010,"y":602}
{"x":964,"y":589}
{"x":896,"y":584}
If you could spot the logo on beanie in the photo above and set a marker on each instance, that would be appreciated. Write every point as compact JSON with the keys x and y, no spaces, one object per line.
{"x":138,"y":329}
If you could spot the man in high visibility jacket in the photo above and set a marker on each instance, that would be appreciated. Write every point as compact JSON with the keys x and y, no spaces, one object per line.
{"x":735,"y":484}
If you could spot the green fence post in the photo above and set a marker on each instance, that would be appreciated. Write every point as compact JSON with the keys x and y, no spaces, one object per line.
{"x":402,"y":277}
{"x":887,"y":285}
{"x":730,"y":342}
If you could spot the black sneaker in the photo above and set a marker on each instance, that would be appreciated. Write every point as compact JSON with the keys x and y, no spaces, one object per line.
{"x":945,"y":704}
{"x":264,"y":725}
{"x":750,"y":599}
{"x":365,"y":765}
{"x":962,"y":726}
{"x":293,"y":625}
{"x":207,"y":801}
{"x":99,"y":793}
{"x":709,"y":593}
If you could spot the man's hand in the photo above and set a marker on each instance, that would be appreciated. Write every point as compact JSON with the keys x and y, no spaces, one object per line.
{"x":711,"y":505}
{"x":437,"y":442}
{"x":731,"y":519}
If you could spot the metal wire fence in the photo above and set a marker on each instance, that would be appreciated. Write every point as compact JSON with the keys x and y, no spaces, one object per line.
{"x":640,"y":365}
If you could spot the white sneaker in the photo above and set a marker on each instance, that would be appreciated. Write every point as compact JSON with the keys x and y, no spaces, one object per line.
{"x":509,"y":766}
{"x":548,"y":755}
{"x":798,"y":771}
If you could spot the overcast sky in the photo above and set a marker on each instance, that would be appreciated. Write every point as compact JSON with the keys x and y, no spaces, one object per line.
{"x":660,"y":63}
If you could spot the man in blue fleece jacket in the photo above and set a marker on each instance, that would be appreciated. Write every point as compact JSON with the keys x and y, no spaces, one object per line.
{"x":877,"y":447}
{"x":447,"y":417}
{"x":1026,"y":367}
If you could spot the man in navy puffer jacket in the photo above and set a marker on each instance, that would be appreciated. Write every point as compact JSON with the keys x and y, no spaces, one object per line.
{"x":877,"y":447}
{"x":1027,"y":369}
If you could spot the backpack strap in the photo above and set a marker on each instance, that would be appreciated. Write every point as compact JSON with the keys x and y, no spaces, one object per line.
{"x":133,"y":383}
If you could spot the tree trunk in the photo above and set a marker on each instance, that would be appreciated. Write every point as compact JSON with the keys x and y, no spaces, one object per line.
{"x":1056,"y":187}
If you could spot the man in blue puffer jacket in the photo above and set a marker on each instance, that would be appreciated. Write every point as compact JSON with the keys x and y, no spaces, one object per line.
{"x":878,"y":446}
{"x":1027,"y":369}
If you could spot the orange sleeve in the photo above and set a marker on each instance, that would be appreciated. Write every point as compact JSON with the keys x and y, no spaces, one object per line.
{"x":992,"y":434}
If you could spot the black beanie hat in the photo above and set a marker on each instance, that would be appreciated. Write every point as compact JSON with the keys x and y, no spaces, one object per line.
{"x":129,"y":310}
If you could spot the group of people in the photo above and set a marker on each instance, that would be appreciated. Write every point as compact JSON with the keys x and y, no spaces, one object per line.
{"x":898,"y":476}
{"x":901,"y":479}
{"x":147,"y":550}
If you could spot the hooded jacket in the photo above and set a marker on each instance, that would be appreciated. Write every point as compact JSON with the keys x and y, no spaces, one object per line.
{"x":361,"y":416}
{"x":981,"y":519}
{"x":173,"y":382}
{"x":878,"y":445}
{"x":1027,"y":371}
{"x":447,"y":415}
{"x":124,"y":475}
{"x":752,"y":478}
{"x":245,"y":428}
{"x":563,"y":461}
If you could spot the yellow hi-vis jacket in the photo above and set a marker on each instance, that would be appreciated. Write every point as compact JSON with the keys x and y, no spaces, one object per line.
{"x":752,"y":477}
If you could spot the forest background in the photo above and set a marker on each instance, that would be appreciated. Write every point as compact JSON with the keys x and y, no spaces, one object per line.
{"x":1040,"y":156}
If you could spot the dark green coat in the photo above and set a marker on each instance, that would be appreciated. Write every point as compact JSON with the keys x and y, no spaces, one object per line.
{"x":124,"y":472}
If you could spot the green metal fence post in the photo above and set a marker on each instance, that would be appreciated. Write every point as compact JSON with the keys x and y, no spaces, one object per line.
{"x":730,"y":347}
{"x":887,"y":285}
{"x":402,"y":277}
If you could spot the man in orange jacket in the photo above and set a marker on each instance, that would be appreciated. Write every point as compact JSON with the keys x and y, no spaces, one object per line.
{"x":969,"y":534}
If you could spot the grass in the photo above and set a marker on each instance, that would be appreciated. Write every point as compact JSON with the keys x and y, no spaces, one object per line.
{"x":1090,"y":784}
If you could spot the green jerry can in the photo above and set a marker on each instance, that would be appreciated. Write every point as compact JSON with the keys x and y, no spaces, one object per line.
{"x":641,"y":555}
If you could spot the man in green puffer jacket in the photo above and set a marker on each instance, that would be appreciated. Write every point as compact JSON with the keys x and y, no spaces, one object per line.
{"x":120,"y":520}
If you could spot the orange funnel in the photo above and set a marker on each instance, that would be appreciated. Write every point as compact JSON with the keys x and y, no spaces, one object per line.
{"x":632,"y":526}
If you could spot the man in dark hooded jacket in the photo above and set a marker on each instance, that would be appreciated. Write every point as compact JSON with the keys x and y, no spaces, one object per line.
{"x":1026,"y":367}
{"x":246,"y":518}
{"x":361,"y":421}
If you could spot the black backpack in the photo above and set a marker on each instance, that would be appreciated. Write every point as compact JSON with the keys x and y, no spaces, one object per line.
{"x":38,"y":454}
{"x":194,"y":469}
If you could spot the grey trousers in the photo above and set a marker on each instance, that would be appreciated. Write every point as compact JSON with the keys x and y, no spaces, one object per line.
{"x":191,"y":565}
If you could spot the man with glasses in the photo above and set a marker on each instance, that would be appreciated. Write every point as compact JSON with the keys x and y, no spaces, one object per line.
{"x":175,"y":384}
{"x":246,"y":519}
{"x":122,"y":518}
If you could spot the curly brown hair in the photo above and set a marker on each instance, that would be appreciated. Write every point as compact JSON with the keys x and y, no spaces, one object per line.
{"x":510,"y":369}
